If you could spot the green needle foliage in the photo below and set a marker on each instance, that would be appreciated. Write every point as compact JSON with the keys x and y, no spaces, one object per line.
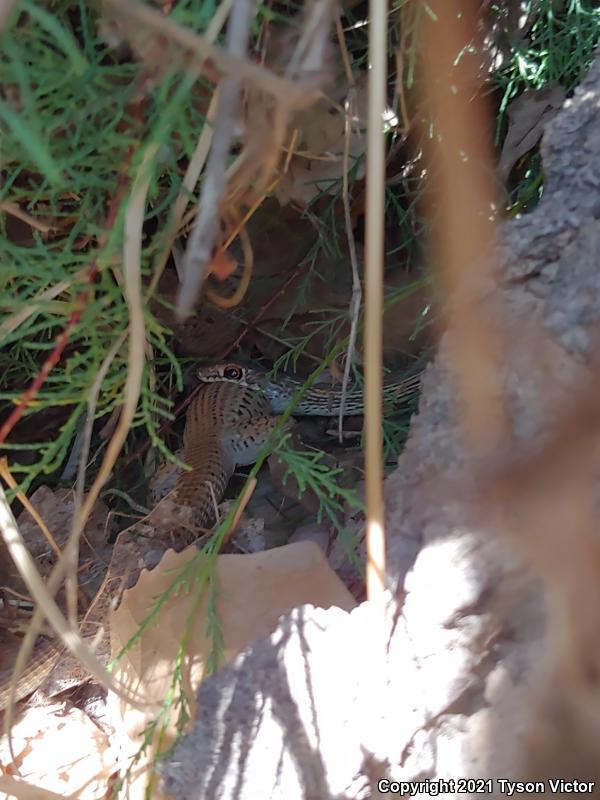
{"x":558,"y":46}
{"x":320,"y":479}
{"x":555,"y":45}
{"x":72,"y":126}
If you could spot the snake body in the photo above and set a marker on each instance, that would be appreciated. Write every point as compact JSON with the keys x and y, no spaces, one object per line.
{"x":320,"y":399}
{"x":227,"y":425}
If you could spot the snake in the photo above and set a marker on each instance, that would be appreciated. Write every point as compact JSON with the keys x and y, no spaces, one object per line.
{"x":322,"y":399}
{"x":227,"y":425}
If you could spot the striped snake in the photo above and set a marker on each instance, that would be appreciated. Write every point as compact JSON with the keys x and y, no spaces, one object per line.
{"x":227,"y":424}
{"x":321,"y":399}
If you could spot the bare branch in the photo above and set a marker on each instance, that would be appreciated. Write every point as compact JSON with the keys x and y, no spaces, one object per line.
{"x":206,"y":227}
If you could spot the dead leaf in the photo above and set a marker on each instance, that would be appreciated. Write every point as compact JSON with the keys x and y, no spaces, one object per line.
{"x":252,"y":592}
{"x":317,"y":167}
{"x":528,"y":115}
{"x":55,"y":507}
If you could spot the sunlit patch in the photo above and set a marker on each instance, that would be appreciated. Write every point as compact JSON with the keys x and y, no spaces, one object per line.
{"x":390,"y":119}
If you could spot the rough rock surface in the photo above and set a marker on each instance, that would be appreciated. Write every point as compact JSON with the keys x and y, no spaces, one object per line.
{"x":319,"y":710}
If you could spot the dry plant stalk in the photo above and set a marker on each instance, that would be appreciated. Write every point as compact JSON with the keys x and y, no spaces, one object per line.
{"x":7,"y":477}
{"x":13,"y":321}
{"x":356,"y":299}
{"x":135,"y":17}
{"x":375,"y":215}
{"x":16,"y":211}
{"x":6,"y":9}
{"x":196,"y":164}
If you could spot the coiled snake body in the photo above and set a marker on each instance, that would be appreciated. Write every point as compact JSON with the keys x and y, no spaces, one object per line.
{"x":227,"y":425}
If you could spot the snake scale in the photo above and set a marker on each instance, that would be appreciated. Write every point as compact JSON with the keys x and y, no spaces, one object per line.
{"x":226,"y":426}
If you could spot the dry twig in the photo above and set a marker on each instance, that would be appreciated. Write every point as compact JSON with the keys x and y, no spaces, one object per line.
{"x":356,"y":299}
{"x":71,"y":575}
{"x":6,"y":8}
{"x":374,"y":304}
{"x":6,"y":475}
{"x":16,"y":211}
{"x":23,"y":790}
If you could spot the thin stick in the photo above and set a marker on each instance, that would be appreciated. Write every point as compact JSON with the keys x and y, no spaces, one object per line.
{"x":356,"y":299}
{"x":213,"y":497}
{"x":190,"y":179}
{"x":12,"y":322}
{"x":374,"y":303}
{"x":16,"y":211}
{"x":71,"y":574}
{"x":6,"y":474}
{"x":6,"y":8}
{"x":243,"y":502}
{"x":400,"y":92}
{"x":343,"y":49}
{"x":19,"y":788}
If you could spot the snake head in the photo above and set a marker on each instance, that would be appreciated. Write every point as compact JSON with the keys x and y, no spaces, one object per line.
{"x":231,"y":372}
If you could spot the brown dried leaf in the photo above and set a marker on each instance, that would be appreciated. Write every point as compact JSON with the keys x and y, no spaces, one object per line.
{"x":528,"y":115}
{"x":318,"y":165}
{"x":252,"y":592}
{"x":56,"y":510}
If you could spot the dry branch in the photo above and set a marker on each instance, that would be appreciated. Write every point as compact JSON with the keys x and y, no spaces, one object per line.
{"x":204,"y":234}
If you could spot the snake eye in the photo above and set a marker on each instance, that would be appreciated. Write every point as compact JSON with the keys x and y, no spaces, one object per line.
{"x":232,"y":373}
